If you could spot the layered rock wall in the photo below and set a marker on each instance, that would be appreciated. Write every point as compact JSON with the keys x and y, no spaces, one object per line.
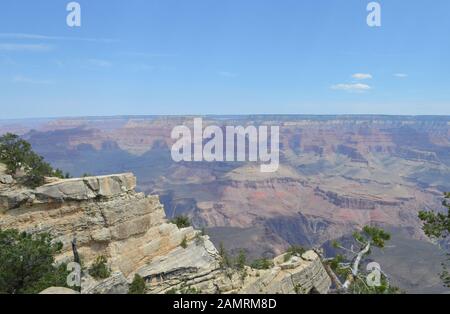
{"x":108,"y":218}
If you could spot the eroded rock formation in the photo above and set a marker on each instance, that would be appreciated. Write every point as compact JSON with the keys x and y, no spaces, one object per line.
{"x":107,"y":217}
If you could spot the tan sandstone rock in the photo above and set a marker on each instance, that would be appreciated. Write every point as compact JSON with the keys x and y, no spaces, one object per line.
{"x":107,"y":217}
{"x":58,"y":290}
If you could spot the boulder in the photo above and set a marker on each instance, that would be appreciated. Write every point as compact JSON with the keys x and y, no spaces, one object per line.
{"x":10,"y":199}
{"x":115,"y":284}
{"x":58,"y":290}
{"x":6,"y":179}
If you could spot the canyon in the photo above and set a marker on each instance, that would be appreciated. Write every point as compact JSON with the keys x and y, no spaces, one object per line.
{"x":105,"y":216}
{"x":336,"y":174}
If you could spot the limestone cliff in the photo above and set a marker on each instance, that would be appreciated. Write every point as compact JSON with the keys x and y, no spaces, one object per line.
{"x":108,"y":217}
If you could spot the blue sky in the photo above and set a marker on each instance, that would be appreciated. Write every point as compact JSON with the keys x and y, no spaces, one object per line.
{"x":223,"y":57}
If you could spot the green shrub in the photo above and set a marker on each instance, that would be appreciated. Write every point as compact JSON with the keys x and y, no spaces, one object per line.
{"x":17,"y":154}
{"x":241,"y":260}
{"x":183,"y":243}
{"x":262,"y":263}
{"x":55,"y":278}
{"x":137,"y":286}
{"x":27,"y":263}
{"x":100,"y":269}
{"x":13,"y":152}
{"x":36,"y":169}
{"x":294,"y":250}
{"x":181,"y":221}
{"x":437,"y":226}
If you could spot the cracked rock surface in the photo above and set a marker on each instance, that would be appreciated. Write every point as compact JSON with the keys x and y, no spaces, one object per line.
{"x":108,"y":217}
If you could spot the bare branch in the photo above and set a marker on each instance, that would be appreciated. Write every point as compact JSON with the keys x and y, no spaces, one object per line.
{"x":355,"y":268}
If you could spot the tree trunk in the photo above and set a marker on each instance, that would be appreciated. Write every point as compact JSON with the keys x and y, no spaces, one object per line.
{"x":351,"y":277}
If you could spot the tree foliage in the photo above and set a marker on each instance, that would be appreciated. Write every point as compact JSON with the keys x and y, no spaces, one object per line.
{"x":27,"y":263}
{"x":350,"y":264}
{"x":14,"y":152}
{"x":241,"y":260}
{"x":437,"y":226}
{"x":262,"y":263}
{"x":236,"y":262}
{"x":181,"y":221}
{"x":36,"y":169}
{"x":376,"y":235}
{"x":17,"y":154}
{"x":184,"y":243}
{"x":294,"y":250}
{"x":137,"y":286}
{"x":99,"y":269}
{"x":225,"y":261}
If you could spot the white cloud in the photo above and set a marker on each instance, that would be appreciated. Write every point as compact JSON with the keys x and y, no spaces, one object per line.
{"x":228,"y":74}
{"x":25,"y":47}
{"x":45,"y":37}
{"x":100,"y":63}
{"x":401,"y":75}
{"x":362,"y":76}
{"x":24,"y":79}
{"x":358,"y":87}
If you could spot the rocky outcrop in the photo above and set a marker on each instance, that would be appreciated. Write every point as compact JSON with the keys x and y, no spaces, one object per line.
{"x":301,"y":274}
{"x":107,"y":217}
{"x":353,"y":202}
{"x":61,"y":191}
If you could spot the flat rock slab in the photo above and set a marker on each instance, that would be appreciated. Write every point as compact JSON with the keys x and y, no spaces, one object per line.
{"x":87,"y":188}
{"x":58,"y":290}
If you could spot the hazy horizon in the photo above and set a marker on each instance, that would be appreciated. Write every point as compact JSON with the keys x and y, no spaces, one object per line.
{"x":300,"y":115}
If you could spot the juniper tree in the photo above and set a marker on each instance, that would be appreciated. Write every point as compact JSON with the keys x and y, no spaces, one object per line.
{"x":17,"y":154}
{"x":349,"y":264}
{"x":27,"y":263}
{"x":14,"y":151}
{"x":437,"y":226}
